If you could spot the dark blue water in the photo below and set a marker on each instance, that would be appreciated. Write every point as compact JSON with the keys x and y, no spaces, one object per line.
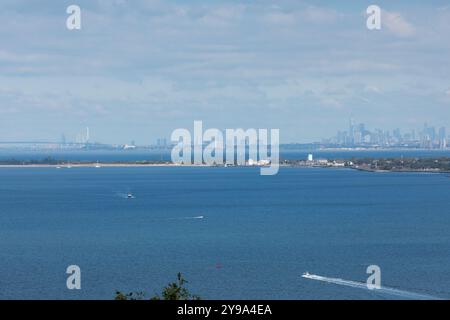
{"x":263,"y":231}
{"x":156,"y":155}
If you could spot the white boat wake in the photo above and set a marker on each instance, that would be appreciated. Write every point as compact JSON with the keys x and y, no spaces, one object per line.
{"x":187,"y":218}
{"x":361,"y":285}
{"x":125,"y":195}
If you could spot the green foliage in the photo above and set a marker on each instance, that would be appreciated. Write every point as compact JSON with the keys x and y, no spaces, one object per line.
{"x":405,"y":164}
{"x":173,"y":291}
{"x":129,"y":296}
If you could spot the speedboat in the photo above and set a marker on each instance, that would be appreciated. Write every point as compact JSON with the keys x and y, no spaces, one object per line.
{"x":306,"y":274}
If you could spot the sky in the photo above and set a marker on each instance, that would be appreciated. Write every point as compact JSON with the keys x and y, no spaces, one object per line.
{"x":139,"y":69}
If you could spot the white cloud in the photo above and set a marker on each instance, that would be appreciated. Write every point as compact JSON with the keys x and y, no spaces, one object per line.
{"x":279,"y":17}
{"x":223,"y":16}
{"x":331,"y":103}
{"x":176,"y":60}
{"x":320,"y":15}
{"x":372,"y":89}
{"x":397,"y":24}
{"x":310,"y":14}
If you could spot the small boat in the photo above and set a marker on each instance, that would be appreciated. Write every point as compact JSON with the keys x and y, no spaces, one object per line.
{"x":306,"y":274}
{"x":130,"y":196}
{"x":97,"y":165}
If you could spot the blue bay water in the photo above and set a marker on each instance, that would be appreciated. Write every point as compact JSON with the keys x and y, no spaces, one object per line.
{"x":157,"y":155}
{"x":257,"y":237}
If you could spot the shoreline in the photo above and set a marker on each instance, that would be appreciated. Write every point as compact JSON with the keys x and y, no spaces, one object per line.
{"x":399,"y":171}
{"x":96,"y":165}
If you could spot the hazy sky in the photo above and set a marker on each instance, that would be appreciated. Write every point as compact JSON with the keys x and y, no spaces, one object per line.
{"x":139,"y":69}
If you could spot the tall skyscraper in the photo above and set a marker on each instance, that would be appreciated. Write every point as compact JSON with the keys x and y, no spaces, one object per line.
{"x":351,"y":131}
{"x":442,"y":138}
{"x":87,"y":135}
{"x":442,"y":133}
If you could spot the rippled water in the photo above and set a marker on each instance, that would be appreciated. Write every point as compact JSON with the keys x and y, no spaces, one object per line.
{"x":255,"y":238}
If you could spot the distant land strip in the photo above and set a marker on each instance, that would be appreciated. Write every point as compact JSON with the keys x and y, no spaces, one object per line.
{"x":431,"y":165}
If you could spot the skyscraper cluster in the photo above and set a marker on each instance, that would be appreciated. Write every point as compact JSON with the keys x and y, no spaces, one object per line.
{"x":83,"y":137}
{"x":358,"y":135}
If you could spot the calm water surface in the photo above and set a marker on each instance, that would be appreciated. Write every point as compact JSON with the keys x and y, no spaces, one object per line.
{"x":257,"y":236}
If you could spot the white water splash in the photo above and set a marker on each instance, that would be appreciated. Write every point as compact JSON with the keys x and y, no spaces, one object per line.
{"x":187,"y":218}
{"x":361,"y":285}
{"x":125,"y":195}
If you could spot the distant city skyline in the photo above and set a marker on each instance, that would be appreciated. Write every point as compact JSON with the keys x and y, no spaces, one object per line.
{"x":358,"y":134}
{"x":137,"y":70}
